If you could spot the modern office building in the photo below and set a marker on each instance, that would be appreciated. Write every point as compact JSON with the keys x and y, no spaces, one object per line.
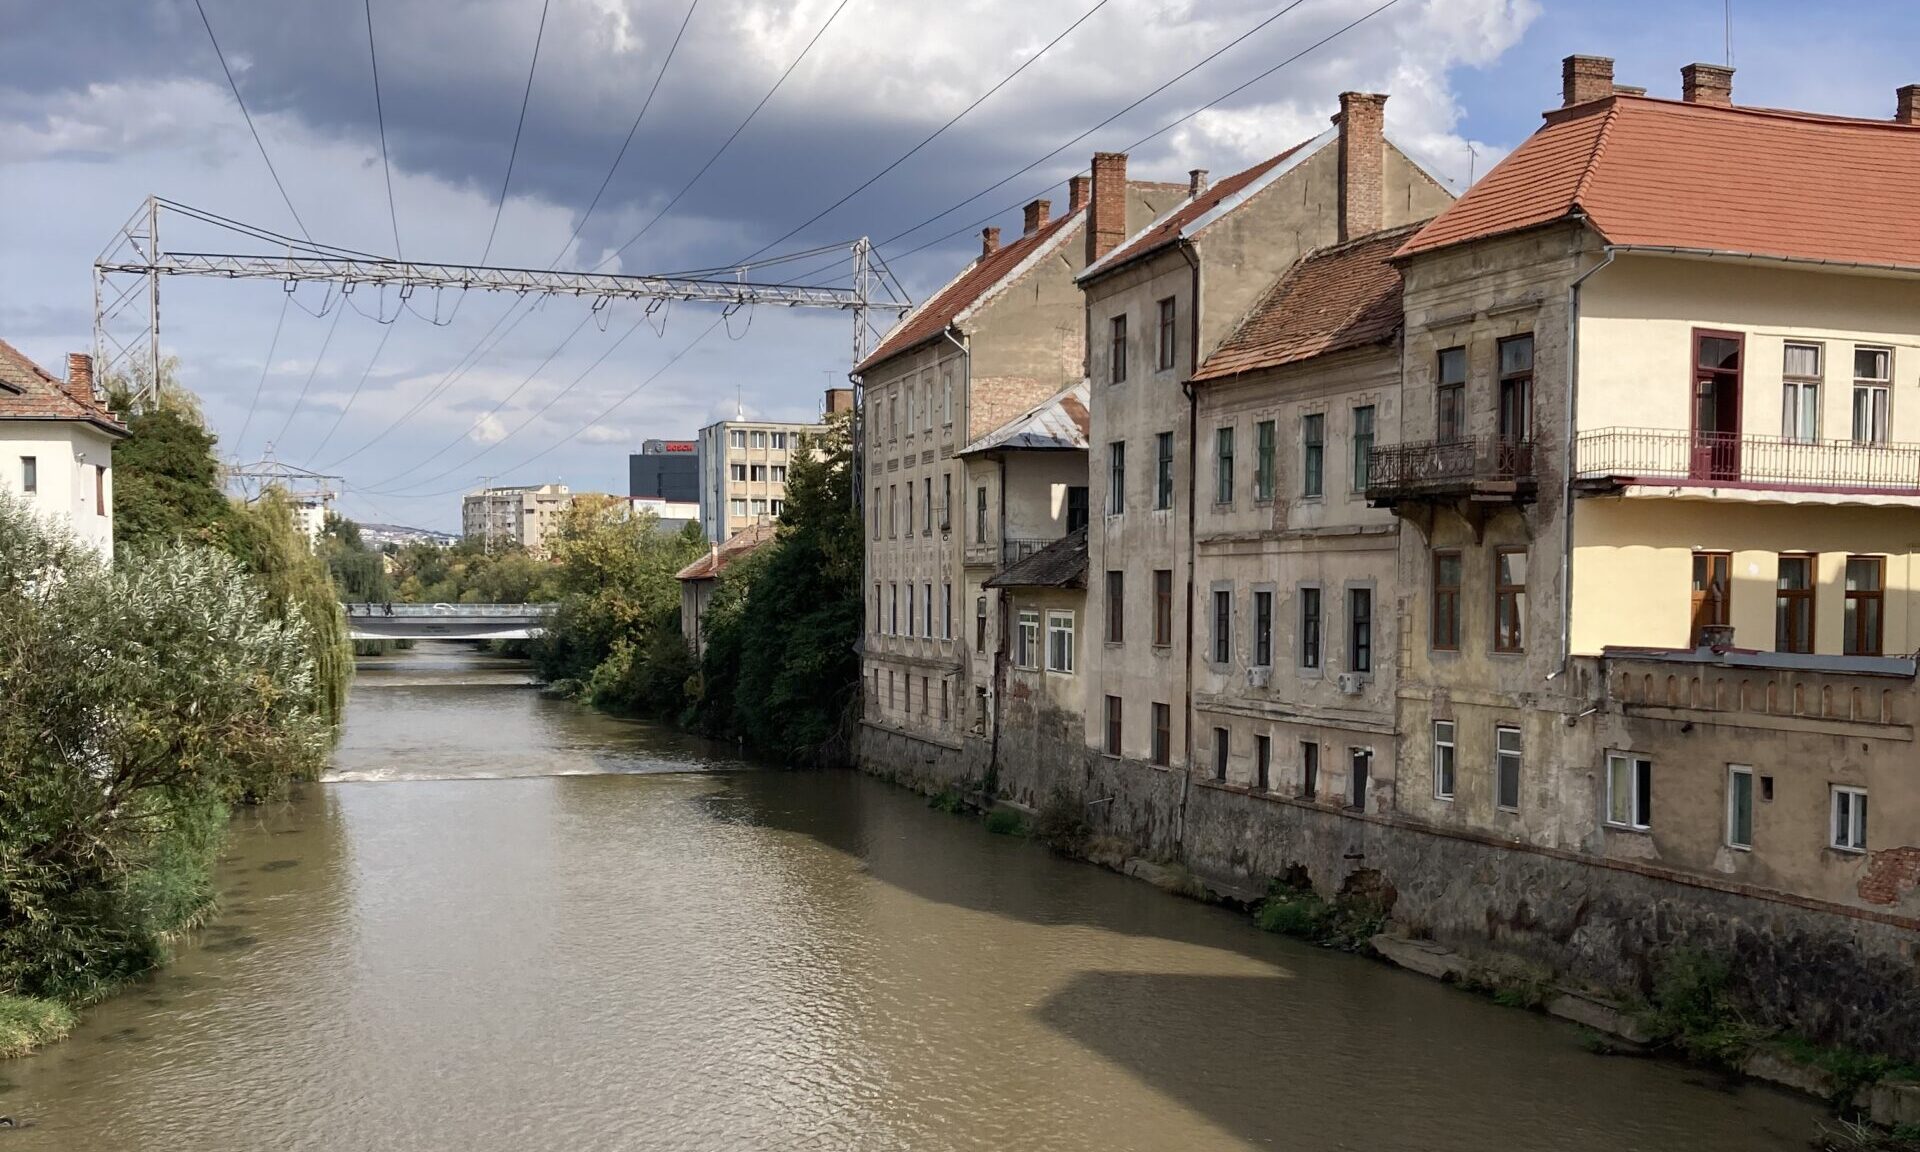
{"x":665,"y":470}
{"x":743,"y":468}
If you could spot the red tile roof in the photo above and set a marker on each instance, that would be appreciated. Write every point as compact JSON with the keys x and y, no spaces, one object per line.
{"x":28,"y":392}
{"x":1668,"y":174}
{"x":1344,"y":296}
{"x":739,"y":544}
{"x":1169,"y":227}
{"x":938,"y":312}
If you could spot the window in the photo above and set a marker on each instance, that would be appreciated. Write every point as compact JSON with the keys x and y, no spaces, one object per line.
{"x":759,"y":474}
{"x":893,"y":610}
{"x":776,"y":506}
{"x":1360,"y":761}
{"x":1793,"y":605}
{"x":737,"y":471}
{"x":759,"y":439}
{"x":893,"y":510}
{"x":1849,"y":818}
{"x":1162,"y":735}
{"x":1116,"y":606}
{"x":1026,"y":652}
{"x":1506,"y":767}
{"x":1113,"y":725}
{"x":879,"y":611}
{"x":1162,"y":607}
{"x":1164,"y":359}
{"x":909,"y":609}
{"x":909,"y":523}
{"x":944,"y":715}
{"x":1223,"y":466}
{"x":1443,"y":760}
{"x":1516,"y":390}
{"x":1712,"y":593}
{"x":1872,"y":394}
{"x":926,"y":598}
{"x":889,"y":689}
{"x":780,"y":440}
{"x":980,"y":624}
{"x":1163,"y":471}
{"x":926,"y":503}
{"x":1263,"y":461}
{"x":893,"y":417}
{"x":1510,"y":600}
{"x":737,"y":507}
{"x":1116,"y":478}
{"x":759,"y":506}
{"x":1222,"y":626}
{"x":1362,"y":445}
{"x":1313,"y":443}
{"x":1263,"y":629}
{"x":980,"y":515}
{"x":1060,"y":642}
{"x":876,"y":511}
{"x":1450,"y":397}
{"x":946,"y":501}
{"x":778,"y":473}
{"x":29,"y":474}
{"x":946,"y":389}
{"x":1865,"y":582}
{"x":1309,"y":769}
{"x":946,"y":610}
{"x":1800,"y":392}
{"x":926,"y":697}
{"x":1309,"y":627}
{"x":1221,"y":749}
{"x":1629,"y":791}
{"x":1263,"y":763}
{"x":1739,"y":806}
{"x":1117,"y":350}
{"x":1446,"y":602}
{"x":1360,"y":630}
{"x":911,"y":398}
{"x":737,"y":439}
{"x":1076,"y":507}
{"x":926,"y":410}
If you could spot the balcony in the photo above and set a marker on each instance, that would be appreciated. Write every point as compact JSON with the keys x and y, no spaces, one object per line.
{"x":1004,"y":553}
{"x":1490,"y":470}
{"x":1613,"y":460}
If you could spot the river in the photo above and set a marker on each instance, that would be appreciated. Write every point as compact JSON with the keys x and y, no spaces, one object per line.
{"x":506,"y":924}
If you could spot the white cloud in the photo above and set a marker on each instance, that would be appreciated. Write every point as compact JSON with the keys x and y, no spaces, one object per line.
{"x":489,"y":429}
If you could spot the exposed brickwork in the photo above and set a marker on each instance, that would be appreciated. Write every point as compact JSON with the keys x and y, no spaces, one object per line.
{"x":1584,"y":78}
{"x":1892,"y":873}
{"x":989,"y":241}
{"x":1038,"y":213}
{"x":1079,"y":189}
{"x":1907,"y":104}
{"x":1107,"y":220}
{"x":1363,"y":146}
{"x":1706,"y":84}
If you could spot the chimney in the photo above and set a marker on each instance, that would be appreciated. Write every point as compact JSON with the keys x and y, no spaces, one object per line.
{"x":989,"y":241}
{"x":1077,"y":189}
{"x":1362,"y":159}
{"x":839,"y":400}
{"x":1107,"y":211}
{"x":80,"y":378}
{"x":1196,"y":181}
{"x":1907,"y":104}
{"x":1037,"y":216}
{"x":1706,"y":84}
{"x":1584,"y":78}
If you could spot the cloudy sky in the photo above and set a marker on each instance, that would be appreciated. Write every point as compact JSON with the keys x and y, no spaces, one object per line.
{"x":103,"y":102}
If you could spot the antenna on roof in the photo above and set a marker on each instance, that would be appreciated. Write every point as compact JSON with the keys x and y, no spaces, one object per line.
{"x":1473,"y":157}
{"x":1728,"y":46}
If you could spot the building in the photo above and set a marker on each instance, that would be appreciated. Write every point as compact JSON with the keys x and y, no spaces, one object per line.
{"x":743,"y":468}
{"x":310,"y":517}
{"x":665,"y":470}
{"x":998,"y":342}
{"x":700,"y":579}
{"x":1159,"y":301}
{"x":56,"y":446}
{"x":672,"y":514}
{"x":1663,"y":606}
{"x":520,"y":515}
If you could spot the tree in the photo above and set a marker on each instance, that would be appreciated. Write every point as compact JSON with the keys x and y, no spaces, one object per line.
{"x":166,"y":482}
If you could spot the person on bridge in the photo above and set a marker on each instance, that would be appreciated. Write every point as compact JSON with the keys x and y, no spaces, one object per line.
{"x":388,"y":607}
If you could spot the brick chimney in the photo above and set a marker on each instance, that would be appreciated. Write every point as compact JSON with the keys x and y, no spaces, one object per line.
{"x":1037,"y":216}
{"x":1907,"y":104}
{"x":1078,"y":190}
{"x":1706,"y":84}
{"x":80,"y":378}
{"x":839,"y":400}
{"x":1362,"y":160}
{"x":989,"y":241}
{"x":1196,"y":181}
{"x":1584,"y":78}
{"x":1107,"y":211}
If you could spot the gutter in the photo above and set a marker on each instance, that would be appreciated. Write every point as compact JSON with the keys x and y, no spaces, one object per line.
{"x":1193,"y":469}
{"x":1762,"y":258}
{"x":1566,"y":507}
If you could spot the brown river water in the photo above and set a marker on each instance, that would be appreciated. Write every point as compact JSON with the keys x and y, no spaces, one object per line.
{"x":506,"y":924}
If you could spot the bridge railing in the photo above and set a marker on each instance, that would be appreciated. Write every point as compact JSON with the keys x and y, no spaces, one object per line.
{"x":446,"y":611}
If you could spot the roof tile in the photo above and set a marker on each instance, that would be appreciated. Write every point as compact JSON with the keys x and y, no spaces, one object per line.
{"x":29,"y":392}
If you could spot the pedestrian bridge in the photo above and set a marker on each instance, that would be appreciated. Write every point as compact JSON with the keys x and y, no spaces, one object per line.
{"x":446,"y":621}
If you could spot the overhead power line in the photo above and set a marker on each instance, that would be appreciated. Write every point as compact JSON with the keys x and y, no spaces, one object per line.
{"x":520,"y":126}
{"x":385,"y":333}
{"x":381,"y":115}
{"x":258,"y":142}
{"x":338,"y":311}
{"x":265,"y":367}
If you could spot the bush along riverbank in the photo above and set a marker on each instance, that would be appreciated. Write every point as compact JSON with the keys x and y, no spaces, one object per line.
{"x":1690,"y":1013}
{"x":140,"y":702}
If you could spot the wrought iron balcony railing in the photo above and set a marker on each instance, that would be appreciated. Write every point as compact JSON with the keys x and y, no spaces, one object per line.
{"x":1618,"y":456}
{"x":1487,"y":468}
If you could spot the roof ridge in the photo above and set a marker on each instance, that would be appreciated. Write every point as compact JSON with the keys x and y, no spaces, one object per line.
{"x":1802,"y":114}
{"x":1609,"y":119}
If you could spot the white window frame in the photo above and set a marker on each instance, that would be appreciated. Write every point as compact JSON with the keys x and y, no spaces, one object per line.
{"x":1800,"y":394}
{"x":1500,"y":754}
{"x":1060,"y":629}
{"x":1638,"y":791}
{"x":1878,"y":392}
{"x":1446,"y":752}
{"x":759,"y":439}
{"x":737,"y":438}
{"x":1853,"y":837}
{"x":1027,"y":640}
{"x":1734,"y":771}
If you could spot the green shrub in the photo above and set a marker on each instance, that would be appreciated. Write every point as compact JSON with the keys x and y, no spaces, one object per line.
{"x":28,"y":1022}
{"x":1693,"y":1010}
{"x":1006,"y":822}
{"x":947,"y":800}
{"x":1347,"y":922}
{"x":1061,"y":824}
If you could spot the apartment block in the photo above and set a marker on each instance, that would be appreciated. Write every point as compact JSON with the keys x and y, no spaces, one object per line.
{"x":516,"y":515}
{"x":743,"y":468}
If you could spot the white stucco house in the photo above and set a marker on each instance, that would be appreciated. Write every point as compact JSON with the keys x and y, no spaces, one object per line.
{"x":56,"y":445}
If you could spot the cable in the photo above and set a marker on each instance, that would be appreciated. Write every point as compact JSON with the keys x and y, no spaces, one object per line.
{"x":615,"y":254}
{"x":525,"y":99}
{"x":265,"y":367}
{"x":381,"y":115}
{"x":385,"y":334}
{"x":620,"y":155}
{"x":909,"y":153}
{"x":261,"y":144}
{"x":311,"y":373}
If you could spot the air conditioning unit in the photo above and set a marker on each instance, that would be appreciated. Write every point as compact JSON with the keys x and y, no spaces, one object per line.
{"x":1349,"y":683}
{"x":1259,"y":677}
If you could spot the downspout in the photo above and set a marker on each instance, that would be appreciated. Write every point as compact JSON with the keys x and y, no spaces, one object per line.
{"x":992,"y":782}
{"x":1193,"y":468}
{"x":1572,"y":423}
